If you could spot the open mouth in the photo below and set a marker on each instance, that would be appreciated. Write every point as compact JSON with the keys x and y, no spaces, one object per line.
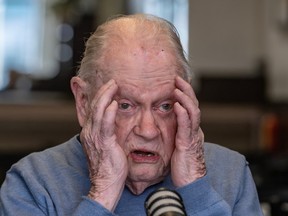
{"x":143,"y":153}
{"x":142,"y":156}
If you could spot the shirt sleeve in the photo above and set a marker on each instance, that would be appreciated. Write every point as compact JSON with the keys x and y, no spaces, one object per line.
{"x":200,"y":198}
{"x":25,"y":197}
{"x":90,"y":207}
{"x":248,"y":201}
{"x":17,"y":199}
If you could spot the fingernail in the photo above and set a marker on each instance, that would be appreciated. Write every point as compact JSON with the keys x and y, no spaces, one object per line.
{"x":111,"y":82}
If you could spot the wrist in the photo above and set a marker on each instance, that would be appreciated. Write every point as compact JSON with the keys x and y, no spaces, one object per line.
{"x":108,"y":198}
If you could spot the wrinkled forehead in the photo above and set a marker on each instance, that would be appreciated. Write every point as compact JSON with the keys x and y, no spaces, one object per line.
{"x":146,"y":82}
{"x":139,"y":61}
{"x":146,"y":92}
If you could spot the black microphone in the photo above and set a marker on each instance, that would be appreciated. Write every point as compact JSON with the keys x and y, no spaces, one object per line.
{"x":164,"y":202}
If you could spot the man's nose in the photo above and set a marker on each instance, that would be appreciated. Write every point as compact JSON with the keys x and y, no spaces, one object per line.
{"x":146,"y":126}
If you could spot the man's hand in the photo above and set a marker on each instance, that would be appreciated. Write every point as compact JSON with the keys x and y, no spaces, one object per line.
{"x":107,"y":162}
{"x":187,"y":162}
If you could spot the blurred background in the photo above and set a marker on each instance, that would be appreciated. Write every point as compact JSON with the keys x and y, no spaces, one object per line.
{"x":237,"y":49}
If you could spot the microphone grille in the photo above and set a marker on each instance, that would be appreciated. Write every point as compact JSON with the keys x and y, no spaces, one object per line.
{"x":164,"y":202}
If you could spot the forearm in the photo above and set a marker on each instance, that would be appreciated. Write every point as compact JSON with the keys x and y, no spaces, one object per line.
{"x":200,"y":198}
{"x":89,"y":207}
{"x":109,"y":197}
{"x":248,"y":201}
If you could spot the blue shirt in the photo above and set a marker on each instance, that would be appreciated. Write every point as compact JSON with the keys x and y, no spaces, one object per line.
{"x":56,"y":182}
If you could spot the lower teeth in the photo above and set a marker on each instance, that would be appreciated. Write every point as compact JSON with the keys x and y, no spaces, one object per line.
{"x":144,"y":154}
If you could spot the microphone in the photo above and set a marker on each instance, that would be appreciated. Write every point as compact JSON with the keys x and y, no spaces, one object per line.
{"x":164,"y":202}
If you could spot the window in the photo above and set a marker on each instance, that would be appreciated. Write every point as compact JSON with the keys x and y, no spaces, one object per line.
{"x":175,"y":11}
{"x":22,"y":39}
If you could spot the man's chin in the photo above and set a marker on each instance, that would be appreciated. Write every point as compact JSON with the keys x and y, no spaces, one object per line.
{"x":137,"y":187}
{"x":138,"y":181}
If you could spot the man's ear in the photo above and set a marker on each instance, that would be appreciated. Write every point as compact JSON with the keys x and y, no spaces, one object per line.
{"x":80,"y":92}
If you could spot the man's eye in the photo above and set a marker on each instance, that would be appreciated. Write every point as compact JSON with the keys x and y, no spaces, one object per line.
{"x":124,"y":106}
{"x":166,"y":107}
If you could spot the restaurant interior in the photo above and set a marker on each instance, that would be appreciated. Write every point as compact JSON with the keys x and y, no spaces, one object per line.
{"x":238,"y":51}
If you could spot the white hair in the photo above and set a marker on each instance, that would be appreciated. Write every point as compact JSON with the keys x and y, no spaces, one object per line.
{"x":117,"y":30}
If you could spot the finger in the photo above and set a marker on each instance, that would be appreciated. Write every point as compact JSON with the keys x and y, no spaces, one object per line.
{"x":187,"y":132}
{"x":186,"y":88}
{"x":108,"y":122}
{"x":186,"y":123}
{"x":101,"y":101}
{"x":193,"y":111}
{"x":183,"y":121}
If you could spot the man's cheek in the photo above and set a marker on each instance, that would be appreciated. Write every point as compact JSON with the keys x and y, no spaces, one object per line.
{"x":119,"y":134}
{"x":171,"y":127}
{"x":122,"y":131}
{"x":168,"y":131}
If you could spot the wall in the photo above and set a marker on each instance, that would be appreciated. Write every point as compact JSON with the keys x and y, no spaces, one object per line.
{"x":228,"y":38}
{"x":276,"y":41}
{"x":224,"y":35}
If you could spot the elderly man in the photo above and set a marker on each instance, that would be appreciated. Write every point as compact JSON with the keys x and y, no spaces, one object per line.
{"x":140,"y":131}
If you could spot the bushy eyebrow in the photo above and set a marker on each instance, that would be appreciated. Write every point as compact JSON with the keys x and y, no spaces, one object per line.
{"x":129,"y":95}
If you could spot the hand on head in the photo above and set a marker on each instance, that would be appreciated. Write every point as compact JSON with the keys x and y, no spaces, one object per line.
{"x":187,"y":162}
{"x":144,"y":122}
{"x":106,"y":160}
